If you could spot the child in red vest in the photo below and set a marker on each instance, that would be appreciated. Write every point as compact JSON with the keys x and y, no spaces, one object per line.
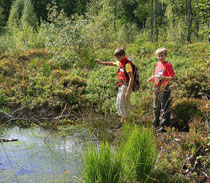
{"x":164,"y":73}
{"x":125,"y":82}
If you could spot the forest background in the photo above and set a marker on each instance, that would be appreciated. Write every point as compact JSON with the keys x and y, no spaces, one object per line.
{"x":47,"y":68}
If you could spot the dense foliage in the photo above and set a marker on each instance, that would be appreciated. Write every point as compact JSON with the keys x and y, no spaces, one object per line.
{"x":48,"y":72}
{"x":169,"y":19}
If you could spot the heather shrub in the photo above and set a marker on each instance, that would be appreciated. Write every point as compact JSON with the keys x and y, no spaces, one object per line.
{"x":184,"y":110}
{"x":194,"y":83}
{"x":44,"y":86}
{"x":101,"y":88}
{"x":2,"y":97}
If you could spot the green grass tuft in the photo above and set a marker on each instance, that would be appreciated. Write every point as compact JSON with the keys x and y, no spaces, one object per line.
{"x":100,"y":164}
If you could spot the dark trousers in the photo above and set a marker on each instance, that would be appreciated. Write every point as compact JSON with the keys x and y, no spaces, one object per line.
{"x":161,"y":106}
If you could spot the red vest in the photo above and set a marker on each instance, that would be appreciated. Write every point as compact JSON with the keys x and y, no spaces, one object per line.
{"x":122,"y":77}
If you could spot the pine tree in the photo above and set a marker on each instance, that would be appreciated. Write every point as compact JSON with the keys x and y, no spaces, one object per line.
{"x":5,"y":6}
{"x":2,"y":17}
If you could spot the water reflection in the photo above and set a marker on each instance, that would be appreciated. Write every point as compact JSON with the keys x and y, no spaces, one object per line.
{"x":33,"y":159}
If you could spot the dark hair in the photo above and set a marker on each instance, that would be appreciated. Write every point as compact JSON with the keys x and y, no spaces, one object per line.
{"x":119,"y":52}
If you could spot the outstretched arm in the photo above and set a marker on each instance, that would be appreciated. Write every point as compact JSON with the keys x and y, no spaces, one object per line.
{"x":105,"y":63}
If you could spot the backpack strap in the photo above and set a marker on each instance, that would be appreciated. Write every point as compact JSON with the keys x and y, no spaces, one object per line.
{"x":125,"y":69}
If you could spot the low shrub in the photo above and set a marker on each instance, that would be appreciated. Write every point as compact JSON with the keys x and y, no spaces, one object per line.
{"x":105,"y":54}
{"x":101,"y":88}
{"x":164,"y":177}
{"x":141,"y":107}
{"x":144,"y":49}
{"x":193,"y":140}
{"x":43,"y":86}
{"x":6,"y":42}
{"x":194,"y":83}
{"x":184,"y":110}
{"x":2,"y":97}
{"x":196,"y":48}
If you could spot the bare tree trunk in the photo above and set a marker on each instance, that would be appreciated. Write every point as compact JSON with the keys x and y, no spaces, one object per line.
{"x":197,"y":27}
{"x":173,"y":19}
{"x":208,"y":36}
{"x":151,"y":20}
{"x":189,"y":22}
{"x":156,"y":22}
{"x":115,"y":9}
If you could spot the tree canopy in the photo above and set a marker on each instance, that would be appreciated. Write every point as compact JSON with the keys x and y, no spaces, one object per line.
{"x":182,"y":18}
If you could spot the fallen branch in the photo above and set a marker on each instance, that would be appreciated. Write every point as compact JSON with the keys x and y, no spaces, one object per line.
{"x":12,"y":119}
{"x":56,"y":118}
{"x":6,"y":114}
{"x":8,"y":140}
{"x":19,"y":109}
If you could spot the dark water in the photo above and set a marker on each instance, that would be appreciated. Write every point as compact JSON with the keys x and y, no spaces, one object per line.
{"x":33,"y":159}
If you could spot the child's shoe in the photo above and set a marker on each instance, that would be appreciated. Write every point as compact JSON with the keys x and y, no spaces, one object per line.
{"x":161,"y":130}
{"x":118,"y":126}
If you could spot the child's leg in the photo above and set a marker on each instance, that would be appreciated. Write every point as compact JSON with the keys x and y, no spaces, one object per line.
{"x":121,"y":104}
{"x":156,"y":109}
{"x":165,"y":107}
{"x":118,"y":102}
{"x":123,"y":119}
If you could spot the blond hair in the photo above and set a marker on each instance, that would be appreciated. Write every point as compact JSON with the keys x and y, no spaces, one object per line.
{"x":161,"y":50}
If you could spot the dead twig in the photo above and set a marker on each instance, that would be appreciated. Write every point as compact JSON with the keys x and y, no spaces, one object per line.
{"x":11,"y":117}
{"x":161,"y":150}
{"x":57,"y":119}
{"x":19,"y":109}
{"x":6,"y":114}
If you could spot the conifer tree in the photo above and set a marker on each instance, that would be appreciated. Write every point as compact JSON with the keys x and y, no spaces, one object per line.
{"x":5,"y":6}
{"x":1,"y":16}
